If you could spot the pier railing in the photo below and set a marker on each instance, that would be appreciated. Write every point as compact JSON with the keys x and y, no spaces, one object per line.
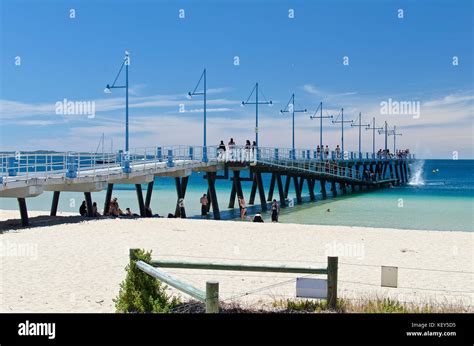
{"x":76,"y":164}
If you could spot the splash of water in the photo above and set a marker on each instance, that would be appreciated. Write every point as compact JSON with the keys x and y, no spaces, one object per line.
{"x":416,"y":178}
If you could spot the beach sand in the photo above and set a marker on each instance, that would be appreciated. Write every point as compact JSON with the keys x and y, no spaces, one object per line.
{"x":78,"y":266}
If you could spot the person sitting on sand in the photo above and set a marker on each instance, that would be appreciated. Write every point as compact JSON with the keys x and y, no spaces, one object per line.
{"x":95,"y":212}
{"x":204,"y":202}
{"x":257,"y":218}
{"x":243,"y":208}
{"x":114,"y":209}
{"x":128,"y":212}
{"x":83,"y":209}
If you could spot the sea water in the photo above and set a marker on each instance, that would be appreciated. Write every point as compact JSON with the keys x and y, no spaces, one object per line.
{"x":439,"y":196}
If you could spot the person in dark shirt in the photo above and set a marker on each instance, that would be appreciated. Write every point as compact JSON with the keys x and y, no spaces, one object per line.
{"x":83,"y":209}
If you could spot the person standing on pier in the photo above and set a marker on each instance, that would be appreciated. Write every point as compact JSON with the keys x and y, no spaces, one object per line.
{"x":221,"y":150}
{"x":318,"y":152}
{"x":248,"y":147}
{"x":338,"y":152}
{"x":231,"y":148}
{"x":326,"y":152}
{"x":275,"y":210}
{"x":204,"y":202}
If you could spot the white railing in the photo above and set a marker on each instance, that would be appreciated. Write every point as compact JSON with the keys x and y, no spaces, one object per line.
{"x":76,"y":164}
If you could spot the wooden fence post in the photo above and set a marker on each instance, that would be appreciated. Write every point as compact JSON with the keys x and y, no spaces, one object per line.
{"x":332,"y":282}
{"x":212,"y":297}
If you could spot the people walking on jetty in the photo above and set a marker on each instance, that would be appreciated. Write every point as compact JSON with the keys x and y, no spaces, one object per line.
{"x":338,"y":152}
{"x":248,"y":147}
{"x":83,"y":209}
{"x":221,"y":150}
{"x":231,"y":148}
{"x":258,"y":218}
{"x":275,"y":210}
{"x":243,"y":208}
{"x":204,"y":205}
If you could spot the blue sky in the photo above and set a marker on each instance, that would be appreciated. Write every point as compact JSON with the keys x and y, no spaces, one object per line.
{"x":407,"y":59}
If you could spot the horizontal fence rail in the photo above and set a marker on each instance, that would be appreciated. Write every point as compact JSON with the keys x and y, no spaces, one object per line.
{"x":330,"y":271}
{"x":238,"y":267}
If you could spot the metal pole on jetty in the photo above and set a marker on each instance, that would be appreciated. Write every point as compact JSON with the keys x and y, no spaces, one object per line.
{"x":320,"y":117}
{"x":342,"y":122}
{"x":204,"y":93}
{"x":360,"y":125}
{"x":290,"y":108}
{"x":108,"y":90}
{"x":256,"y":103}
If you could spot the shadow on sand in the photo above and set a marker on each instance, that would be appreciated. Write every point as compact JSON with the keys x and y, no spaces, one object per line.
{"x":46,"y":221}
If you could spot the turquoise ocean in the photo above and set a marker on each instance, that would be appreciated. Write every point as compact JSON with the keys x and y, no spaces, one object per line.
{"x":440,"y":196}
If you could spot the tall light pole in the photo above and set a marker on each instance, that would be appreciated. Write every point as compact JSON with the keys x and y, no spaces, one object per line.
{"x":108,"y":90}
{"x":320,"y":117}
{"x":290,"y":108}
{"x":384,"y":131}
{"x":256,"y":103}
{"x":204,"y":93}
{"x":342,"y":122}
{"x":373,"y":128}
{"x":360,"y":125}
{"x":394,"y":133}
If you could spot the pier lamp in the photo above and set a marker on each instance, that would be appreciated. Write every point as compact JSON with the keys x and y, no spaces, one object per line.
{"x":256,"y":103}
{"x":203,"y":93}
{"x":108,"y":90}
{"x":342,"y":122}
{"x":290,"y":108}
{"x":320,"y":117}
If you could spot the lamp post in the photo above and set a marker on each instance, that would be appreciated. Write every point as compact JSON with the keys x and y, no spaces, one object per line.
{"x":373,"y":128}
{"x":256,"y":103}
{"x":384,"y":131}
{"x":204,"y":93}
{"x":108,"y":90}
{"x":394,"y":133}
{"x":360,"y":125}
{"x":342,"y":122}
{"x":320,"y":117}
{"x":290,"y":108}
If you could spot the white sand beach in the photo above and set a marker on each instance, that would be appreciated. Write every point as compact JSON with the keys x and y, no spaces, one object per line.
{"x":77,"y":267}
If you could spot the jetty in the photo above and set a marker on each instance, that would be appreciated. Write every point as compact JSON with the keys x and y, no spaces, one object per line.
{"x":26,"y":175}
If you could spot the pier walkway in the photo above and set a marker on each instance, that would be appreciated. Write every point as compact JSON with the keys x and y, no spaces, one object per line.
{"x":26,"y":175}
